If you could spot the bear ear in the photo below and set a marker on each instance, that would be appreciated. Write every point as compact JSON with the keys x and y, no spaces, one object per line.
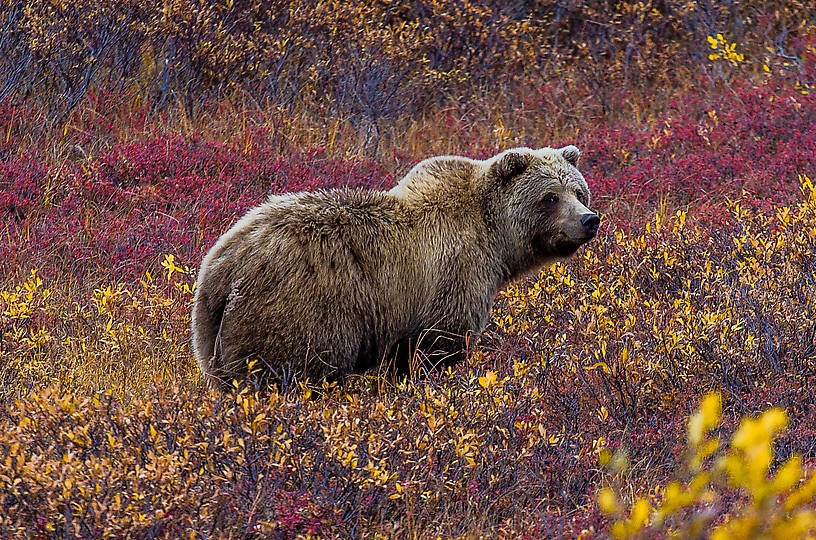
{"x":571,"y":154}
{"x":510,"y":165}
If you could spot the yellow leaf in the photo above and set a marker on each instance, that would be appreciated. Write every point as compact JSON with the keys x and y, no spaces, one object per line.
{"x":599,"y":365}
{"x":804,"y":494}
{"x":640,"y":514}
{"x":706,"y":418}
{"x":607,"y":501}
{"x":788,"y":474}
{"x":488,"y":381}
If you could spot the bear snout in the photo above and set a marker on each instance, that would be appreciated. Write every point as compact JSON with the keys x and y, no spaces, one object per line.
{"x":590,"y":223}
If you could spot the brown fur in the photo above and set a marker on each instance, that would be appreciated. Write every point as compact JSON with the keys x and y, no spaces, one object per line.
{"x":324,"y":284}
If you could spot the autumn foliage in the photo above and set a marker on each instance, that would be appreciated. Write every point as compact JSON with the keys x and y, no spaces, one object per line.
{"x":132,"y":134}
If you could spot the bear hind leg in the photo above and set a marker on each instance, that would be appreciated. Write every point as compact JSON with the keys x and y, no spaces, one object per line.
{"x":206,"y":324}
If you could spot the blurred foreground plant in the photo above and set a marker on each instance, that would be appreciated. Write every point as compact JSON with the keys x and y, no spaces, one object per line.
{"x":766,"y":505}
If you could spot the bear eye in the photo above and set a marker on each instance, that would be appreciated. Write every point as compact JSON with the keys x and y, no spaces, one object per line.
{"x":582,"y":197}
{"x":550,"y":199}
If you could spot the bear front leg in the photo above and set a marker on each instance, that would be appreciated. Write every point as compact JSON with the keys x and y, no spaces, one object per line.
{"x":436,"y":349}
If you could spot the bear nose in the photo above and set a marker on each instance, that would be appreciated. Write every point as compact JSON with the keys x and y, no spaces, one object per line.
{"x":591,"y":222}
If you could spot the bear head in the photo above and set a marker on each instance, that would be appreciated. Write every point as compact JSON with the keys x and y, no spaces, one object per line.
{"x":543,"y":201}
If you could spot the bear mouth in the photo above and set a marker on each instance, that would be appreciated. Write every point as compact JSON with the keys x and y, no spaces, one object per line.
{"x":559,"y":245}
{"x":581,"y":240}
{"x":568,"y":247}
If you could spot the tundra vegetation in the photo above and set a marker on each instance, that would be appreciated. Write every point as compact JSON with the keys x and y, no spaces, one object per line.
{"x":133,"y":133}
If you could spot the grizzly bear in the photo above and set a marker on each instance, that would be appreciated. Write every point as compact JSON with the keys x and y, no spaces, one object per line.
{"x":322,"y":284}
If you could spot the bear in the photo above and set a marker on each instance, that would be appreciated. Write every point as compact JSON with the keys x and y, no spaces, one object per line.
{"x":320,"y":285}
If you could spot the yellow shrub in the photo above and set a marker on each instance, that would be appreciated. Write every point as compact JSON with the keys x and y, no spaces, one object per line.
{"x":769,"y":505}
